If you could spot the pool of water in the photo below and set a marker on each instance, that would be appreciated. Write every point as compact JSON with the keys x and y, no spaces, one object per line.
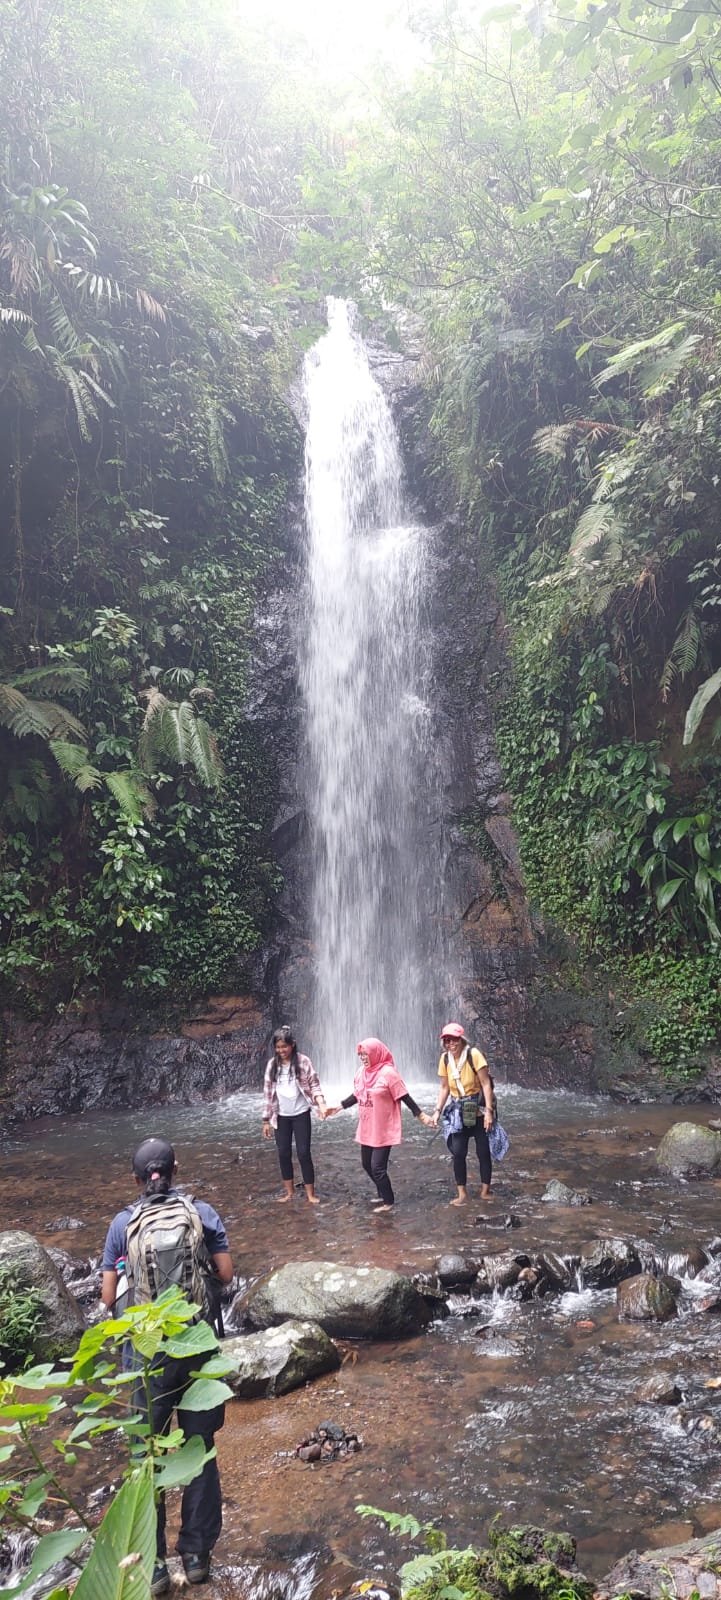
{"x":530,"y":1409}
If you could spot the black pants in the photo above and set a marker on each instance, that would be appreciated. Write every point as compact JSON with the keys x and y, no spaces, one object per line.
{"x":459,"y":1150}
{"x":375,"y":1163}
{"x":201,"y":1516}
{"x":300,"y":1126}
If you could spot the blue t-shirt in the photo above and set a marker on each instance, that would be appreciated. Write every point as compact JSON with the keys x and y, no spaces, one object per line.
{"x":214,"y":1234}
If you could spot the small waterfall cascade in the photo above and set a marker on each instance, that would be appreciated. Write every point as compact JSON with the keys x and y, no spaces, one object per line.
{"x":364,"y":670}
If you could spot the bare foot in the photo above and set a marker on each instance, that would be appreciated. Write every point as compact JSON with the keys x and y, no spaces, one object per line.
{"x":384,"y":1207}
{"x":485,"y":1192}
{"x":461,"y":1201}
{"x":312,"y":1200}
{"x":282,"y":1199}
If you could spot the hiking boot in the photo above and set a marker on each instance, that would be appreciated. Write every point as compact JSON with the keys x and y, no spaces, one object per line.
{"x":197,"y":1567}
{"x":160,"y":1581}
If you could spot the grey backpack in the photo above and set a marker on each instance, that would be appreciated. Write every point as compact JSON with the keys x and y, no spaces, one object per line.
{"x":165,"y":1246}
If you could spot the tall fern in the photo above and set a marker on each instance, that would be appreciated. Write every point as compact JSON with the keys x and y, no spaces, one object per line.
{"x":684,"y":654}
{"x":174,"y":733}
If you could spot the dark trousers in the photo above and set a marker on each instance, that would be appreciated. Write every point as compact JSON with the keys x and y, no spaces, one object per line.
{"x":201,"y":1516}
{"x":300,"y":1126}
{"x":375,"y":1163}
{"x":458,"y":1146}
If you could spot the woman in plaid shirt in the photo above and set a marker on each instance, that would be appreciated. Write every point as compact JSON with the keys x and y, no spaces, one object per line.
{"x":290,"y":1088}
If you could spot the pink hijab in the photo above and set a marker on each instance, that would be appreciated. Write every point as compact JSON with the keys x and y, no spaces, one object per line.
{"x":378,"y":1056}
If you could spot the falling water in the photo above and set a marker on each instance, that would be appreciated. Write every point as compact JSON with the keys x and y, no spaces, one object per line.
{"x":368,"y":726}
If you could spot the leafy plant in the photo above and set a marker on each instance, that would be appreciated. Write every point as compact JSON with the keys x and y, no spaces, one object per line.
{"x":116,"y":1559}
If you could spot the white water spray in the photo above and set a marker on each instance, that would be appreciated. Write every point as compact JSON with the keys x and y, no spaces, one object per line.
{"x":368,"y":727}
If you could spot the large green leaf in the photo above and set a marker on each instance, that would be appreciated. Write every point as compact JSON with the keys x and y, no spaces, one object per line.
{"x":206,"y":1393}
{"x":698,"y":705}
{"x":667,"y":891}
{"x":183,"y":1465}
{"x":123,"y":1556}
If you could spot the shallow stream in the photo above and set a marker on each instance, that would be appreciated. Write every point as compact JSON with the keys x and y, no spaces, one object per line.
{"x":528,"y":1409}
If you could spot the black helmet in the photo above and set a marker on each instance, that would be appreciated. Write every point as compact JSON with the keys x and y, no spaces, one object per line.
{"x":154,"y":1158}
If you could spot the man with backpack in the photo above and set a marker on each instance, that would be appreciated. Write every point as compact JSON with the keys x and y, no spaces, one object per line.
{"x":168,"y":1238}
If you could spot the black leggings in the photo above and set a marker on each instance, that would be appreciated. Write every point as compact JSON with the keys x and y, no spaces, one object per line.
{"x":375,"y":1163}
{"x":300,"y":1126}
{"x":459,"y":1150}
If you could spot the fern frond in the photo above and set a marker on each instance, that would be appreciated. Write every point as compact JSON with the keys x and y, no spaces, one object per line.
{"x":132,"y":794}
{"x":662,"y":373}
{"x":596,"y":525}
{"x":150,"y":306}
{"x":625,"y":360}
{"x":56,"y":678}
{"x":684,"y":653}
{"x":554,"y":441}
{"x":24,"y":716}
{"x":72,"y":760}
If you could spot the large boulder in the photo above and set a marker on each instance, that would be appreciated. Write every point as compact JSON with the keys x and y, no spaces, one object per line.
{"x":647,"y":1299}
{"x":25,"y":1265}
{"x":348,"y":1302}
{"x":690,"y":1150}
{"x":279,"y":1359}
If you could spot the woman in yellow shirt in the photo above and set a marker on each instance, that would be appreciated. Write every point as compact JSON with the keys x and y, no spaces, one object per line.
{"x":467,"y":1100}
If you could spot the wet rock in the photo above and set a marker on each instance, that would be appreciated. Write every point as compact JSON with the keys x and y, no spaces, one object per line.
{"x":646,"y":1299}
{"x":501,"y":1270}
{"x":453,"y":1271}
{"x":555,"y":1269}
{"x":430,"y":1287}
{"x":328,"y":1442}
{"x":279,"y":1359}
{"x":714,"y":1124}
{"x":348,"y":1302}
{"x":510,"y":1220}
{"x":107,"y":1054}
{"x":608,"y":1261}
{"x":660,"y":1390}
{"x":671,"y":1570}
{"x":686,"y":1263}
{"x":63,"y":1225}
{"x":24,"y":1264}
{"x":690,"y":1150}
{"x":714,"y":1248}
{"x":559,"y":1194}
{"x":710,"y":1272}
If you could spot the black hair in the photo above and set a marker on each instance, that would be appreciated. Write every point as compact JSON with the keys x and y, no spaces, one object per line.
{"x":284,"y":1035}
{"x":154,"y":1165}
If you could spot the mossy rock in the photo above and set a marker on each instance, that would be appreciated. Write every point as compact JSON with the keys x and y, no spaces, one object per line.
{"x":690,"y":1150}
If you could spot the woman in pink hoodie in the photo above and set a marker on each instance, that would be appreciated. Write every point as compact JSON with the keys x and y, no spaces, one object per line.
{"x":378,"y":1090}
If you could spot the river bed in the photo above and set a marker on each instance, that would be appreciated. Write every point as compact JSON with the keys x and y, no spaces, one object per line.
{"x":529,"y":1410}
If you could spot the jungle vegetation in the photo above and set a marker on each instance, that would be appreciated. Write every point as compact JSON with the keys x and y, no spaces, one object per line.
{"x":537,"y":192}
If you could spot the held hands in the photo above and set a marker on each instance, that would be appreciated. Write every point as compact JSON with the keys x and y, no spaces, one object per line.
{"x":428,"y":1122}
{"x":329,"y":1111}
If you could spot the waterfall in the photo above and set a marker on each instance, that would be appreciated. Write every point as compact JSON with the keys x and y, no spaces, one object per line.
{"x":363,"y":673}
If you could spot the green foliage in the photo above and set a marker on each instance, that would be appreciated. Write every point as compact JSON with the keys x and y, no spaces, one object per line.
{"x":146,"y":454}
{"x":20,"y":1316}
{"x":519,"y":1561}
{"x":90,"y":1392}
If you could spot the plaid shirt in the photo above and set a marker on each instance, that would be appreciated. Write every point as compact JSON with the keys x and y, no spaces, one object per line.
{"x":308,"y":1083}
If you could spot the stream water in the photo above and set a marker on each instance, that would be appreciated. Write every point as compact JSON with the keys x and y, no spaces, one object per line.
{"x":525,"y":1409}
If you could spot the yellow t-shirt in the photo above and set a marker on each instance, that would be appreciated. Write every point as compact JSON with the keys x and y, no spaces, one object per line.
{"x":469,"y":1066}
